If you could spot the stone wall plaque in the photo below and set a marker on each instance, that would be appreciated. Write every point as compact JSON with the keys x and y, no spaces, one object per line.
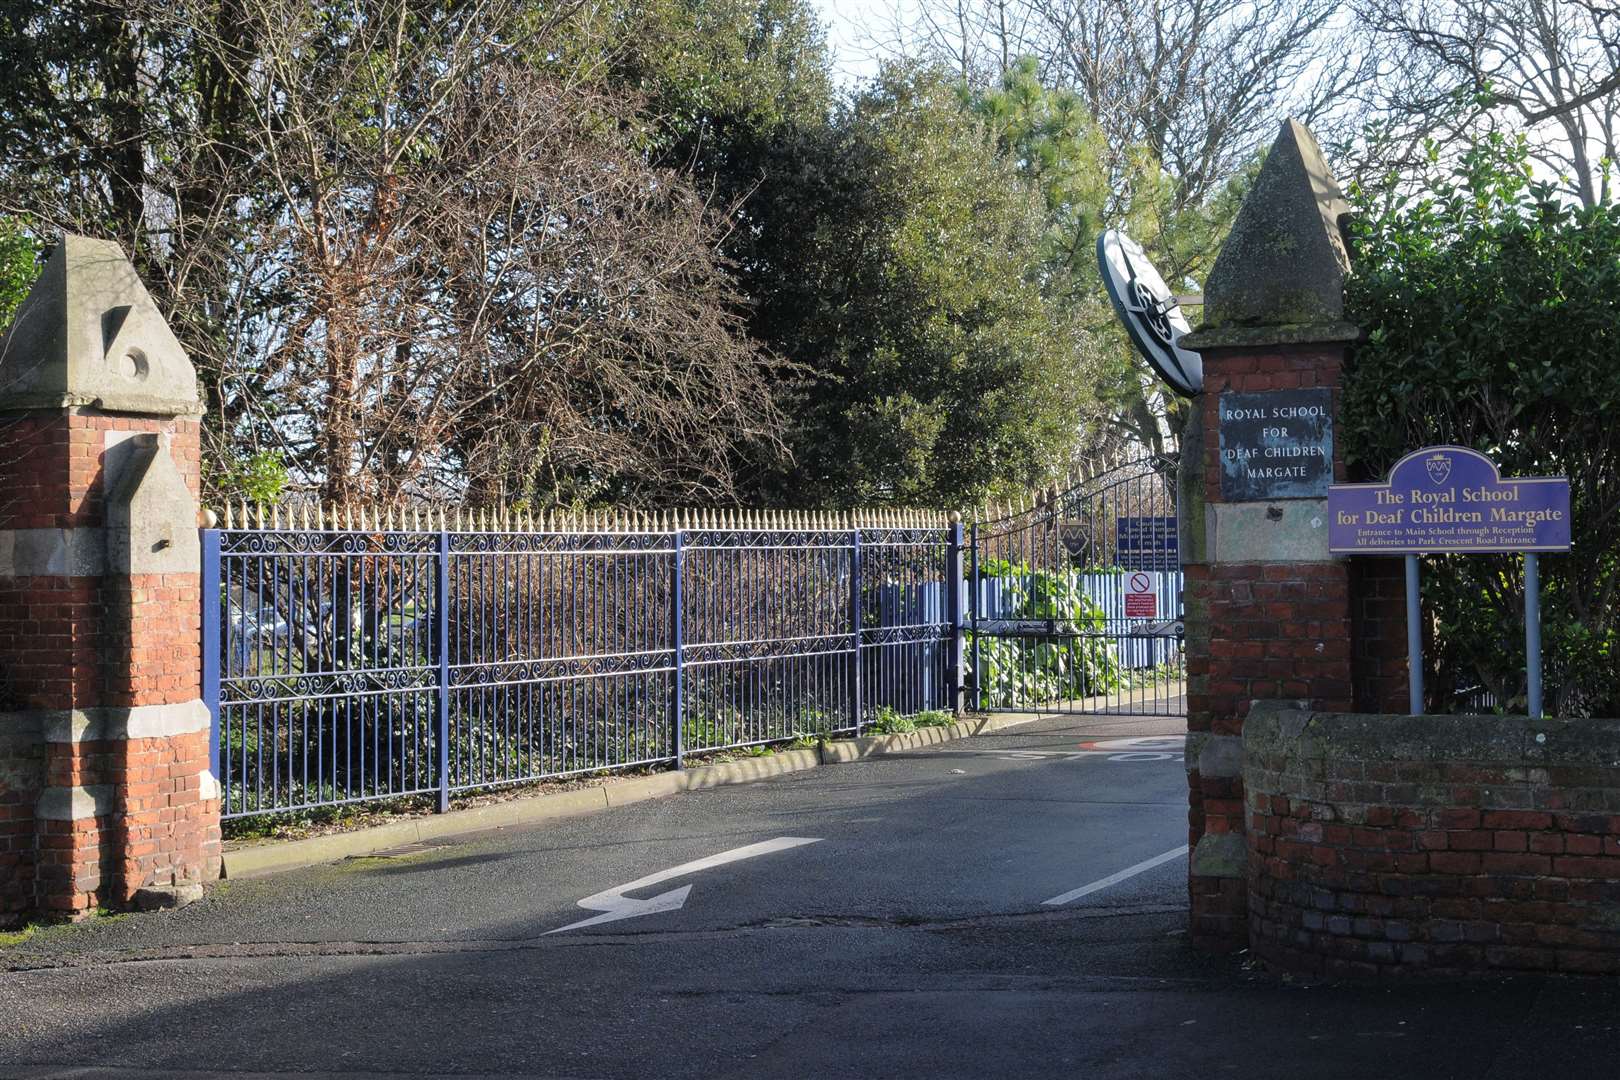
{"x":1276,"y":444}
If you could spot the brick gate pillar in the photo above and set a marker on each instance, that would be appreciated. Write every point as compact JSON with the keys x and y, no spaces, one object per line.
{"x":105,"y":792}
{"x":1269,"y":613}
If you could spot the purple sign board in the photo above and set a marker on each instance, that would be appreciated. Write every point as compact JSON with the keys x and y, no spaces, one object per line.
{"x":1448,"y":498}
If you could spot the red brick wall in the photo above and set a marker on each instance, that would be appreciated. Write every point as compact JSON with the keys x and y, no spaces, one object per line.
{"x":1378,"y":633}
{"x":50,"y":655}
{"x":1256,"y":629}
{"x":89,"y":642}
{"x":22,"y":771}
{"x":154,"y":632}
{"x":74,"y":864}
{"x":1276,"y":630}
{"x":172,"y":834}
{"x":160,"y":832}
{"x":1370,"y":856}
{"x":52,"y":628}
{"x":34,"y":456}
{"x":51,"y":465}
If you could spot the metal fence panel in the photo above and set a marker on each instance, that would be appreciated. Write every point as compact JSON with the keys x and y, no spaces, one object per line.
{"x":346,"y":665}
{"x":322,"y":665}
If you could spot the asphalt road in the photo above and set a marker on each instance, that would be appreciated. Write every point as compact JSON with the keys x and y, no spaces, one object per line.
{"x":911,"y":938}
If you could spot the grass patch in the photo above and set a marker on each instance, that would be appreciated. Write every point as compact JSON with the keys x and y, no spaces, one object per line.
{"x":295,"y":824}
{"x":887,"y":721}
{"x":759,"y":750}
{"x":8,"y":938}
{"x":18,"y":935}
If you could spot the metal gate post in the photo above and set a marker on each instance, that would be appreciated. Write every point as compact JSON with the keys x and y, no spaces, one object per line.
{"x":976,"y":601}
{"x":678,"y":639}
{"x":213,"y":618}
{"x":953,"y":601}
{"x":442,"y":614}
{"x":855,"y":629}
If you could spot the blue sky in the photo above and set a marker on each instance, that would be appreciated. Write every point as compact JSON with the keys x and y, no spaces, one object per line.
{"x":846,"y":22}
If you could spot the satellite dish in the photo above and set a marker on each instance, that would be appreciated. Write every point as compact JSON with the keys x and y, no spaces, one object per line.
{"x":1150,"y":313}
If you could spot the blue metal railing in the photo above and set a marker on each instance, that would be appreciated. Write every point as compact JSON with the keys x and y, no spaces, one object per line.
{"x":353,"y":664}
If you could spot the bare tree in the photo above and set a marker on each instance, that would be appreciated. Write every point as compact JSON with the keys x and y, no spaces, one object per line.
{"x":612,"y":356}
{"x":978,"y":39}
{"x":408,"y":259}
{"x":1550,"y":68}
{"x":1197,"y":86}
{"x":480,"y":273}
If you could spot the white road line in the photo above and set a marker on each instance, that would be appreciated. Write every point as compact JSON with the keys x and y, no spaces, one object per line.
{"x":614,"y":905}
{"x":1115,"y":879}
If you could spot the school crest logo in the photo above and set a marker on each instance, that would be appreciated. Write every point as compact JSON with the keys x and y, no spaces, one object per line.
{"x":1075,"y":536}
{"x":1439,"y":467}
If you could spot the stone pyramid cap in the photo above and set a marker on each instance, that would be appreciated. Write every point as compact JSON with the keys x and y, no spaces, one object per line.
{"x":88,"y":333}
{"x":1285,"y":261}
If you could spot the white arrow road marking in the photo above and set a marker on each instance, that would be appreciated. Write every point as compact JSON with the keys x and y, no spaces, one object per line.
{"x":1115,"y":879}
{"x":614,"y":905}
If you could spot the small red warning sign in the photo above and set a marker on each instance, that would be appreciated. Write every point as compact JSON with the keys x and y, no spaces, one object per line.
{"x":1141,"y":596}
{"x":1141,"y":607}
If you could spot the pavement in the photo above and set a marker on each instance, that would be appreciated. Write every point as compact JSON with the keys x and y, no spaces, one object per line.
{"x":884,"y":918}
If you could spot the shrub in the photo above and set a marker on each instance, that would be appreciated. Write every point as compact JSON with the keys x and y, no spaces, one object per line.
{"x":887,"y":721}
{"x":1492,"y":313}
{"x":1033,"y":671}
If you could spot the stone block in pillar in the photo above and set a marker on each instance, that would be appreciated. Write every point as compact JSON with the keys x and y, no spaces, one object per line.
{"x":105,"y":792}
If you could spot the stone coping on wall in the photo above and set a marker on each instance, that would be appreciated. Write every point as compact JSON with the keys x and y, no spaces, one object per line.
{"x":1383,"y":845}
{"x":1518,"y":740}
{"x":1273,"y":336}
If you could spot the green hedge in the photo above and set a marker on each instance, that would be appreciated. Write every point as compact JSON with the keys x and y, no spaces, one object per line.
{"x":1492,"y":310}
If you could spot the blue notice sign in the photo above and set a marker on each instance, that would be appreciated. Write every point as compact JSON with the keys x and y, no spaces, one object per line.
{"x":1449,"y":498}
{"x":1147,"y":543}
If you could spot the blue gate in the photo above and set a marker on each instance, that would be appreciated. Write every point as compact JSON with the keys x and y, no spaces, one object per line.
{"x":1076,"y":603}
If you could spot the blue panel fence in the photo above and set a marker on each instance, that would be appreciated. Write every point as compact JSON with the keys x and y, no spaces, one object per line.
{"x":354,"y":663}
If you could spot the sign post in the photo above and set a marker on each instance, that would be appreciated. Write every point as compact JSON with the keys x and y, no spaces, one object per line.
{"x":1451,"y":499}
{"x":1414,"y":639}
{"x":1532,"y":632}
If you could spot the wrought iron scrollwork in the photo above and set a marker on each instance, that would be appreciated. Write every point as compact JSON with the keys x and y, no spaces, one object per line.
{"x":902,"y":635}
{"x":331,"y":684}
{"x":311,"y":542}
{"x":548,"y":670}
{"x":734,"y":651}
